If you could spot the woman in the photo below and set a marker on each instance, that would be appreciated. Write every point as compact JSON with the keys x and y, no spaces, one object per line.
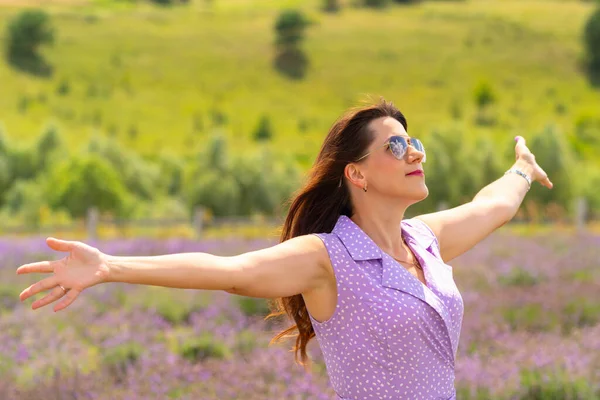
{"x":374,"y":288}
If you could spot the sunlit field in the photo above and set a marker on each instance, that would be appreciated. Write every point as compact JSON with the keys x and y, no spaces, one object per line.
{"x":531,"y":330}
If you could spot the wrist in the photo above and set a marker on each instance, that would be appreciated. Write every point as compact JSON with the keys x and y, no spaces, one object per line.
{"x":524,"y":167}
{"x":110,"y":268}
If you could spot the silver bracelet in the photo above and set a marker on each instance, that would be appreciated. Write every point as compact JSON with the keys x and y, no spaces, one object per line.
{"x":523,"y":174}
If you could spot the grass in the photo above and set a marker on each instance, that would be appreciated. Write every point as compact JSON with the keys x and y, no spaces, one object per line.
{"x":157,"y":78}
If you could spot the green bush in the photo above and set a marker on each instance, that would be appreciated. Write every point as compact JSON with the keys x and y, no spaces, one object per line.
{"x":591,"y":39}
{"x":331,"y":5}
{"x":204,"y":346}
{"x":530,"y":317}
{"x":251,"y":306}
{"x":246,"y":341}
{"x":28,"y":31}
{"x":116,"y":359}
{"x":554,"y":154}
{"x":484,"y":95}
{"x":264,"y":130}
{"x":543,"y":385}
{"x":290,"y":28}
{"x":376,"y":3}
{"x":89,"y":181}
{"x":519,"y":277}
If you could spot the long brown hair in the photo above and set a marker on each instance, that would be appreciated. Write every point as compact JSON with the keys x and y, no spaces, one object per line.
{"x":316,"y":207}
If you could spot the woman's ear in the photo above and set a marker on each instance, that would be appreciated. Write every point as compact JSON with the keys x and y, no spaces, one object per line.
{"x":354,"y":175}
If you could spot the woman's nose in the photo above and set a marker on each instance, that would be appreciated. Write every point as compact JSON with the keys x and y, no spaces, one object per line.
{"x":415,"y":156}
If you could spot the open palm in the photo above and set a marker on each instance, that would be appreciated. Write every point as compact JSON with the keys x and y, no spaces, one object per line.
{"x":84,"y":267}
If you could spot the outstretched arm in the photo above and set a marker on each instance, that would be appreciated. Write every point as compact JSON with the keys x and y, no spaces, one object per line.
{"x":292,"y":267}
{"x":460,"y":228}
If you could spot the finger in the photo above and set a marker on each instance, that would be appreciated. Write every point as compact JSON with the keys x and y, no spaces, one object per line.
{"x":41,"y":266}
{"x":68,"y":300}
{"x":521,"y":145}
{"x":54,"y":295}
{"x":38,"y":287}
{"x":546,"y":182}
{"x":60,"y":245}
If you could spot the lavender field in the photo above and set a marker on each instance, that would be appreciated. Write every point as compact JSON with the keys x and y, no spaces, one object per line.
{"x":531,"y":330}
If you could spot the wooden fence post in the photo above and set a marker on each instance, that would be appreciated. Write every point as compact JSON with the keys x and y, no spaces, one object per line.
{"x":580,"y":214}
{"x":92,"y":223}
{"x":198,"y":221}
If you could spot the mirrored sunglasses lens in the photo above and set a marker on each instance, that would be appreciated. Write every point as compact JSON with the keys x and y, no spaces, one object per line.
{"x":419,"y":146}
{"x":398,"y":146}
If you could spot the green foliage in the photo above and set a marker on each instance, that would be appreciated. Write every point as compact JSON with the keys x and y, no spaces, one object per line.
{"x":27,"y":198}
{"x":244,"y":185}
{"x":530,"y":317}
{"x":251,"y":306}
{"x":449,"y":177}
{"x":264,"y":130}
{"x":519,"y":277}
{"x":376,"y":3}
{"x":63,"y":88}
{"x":9,"y":297}
{"x":484,"y":94}
{"x":591,"y":39}
{"x":198,"y":348}
{"x":555,"y":155}
{"x":118,"y":358}
{"x":29,"y":30}
{"x":539,"y":384}
{"x":331,"y":6}
{"x":246,"y":341}
{"x":26,"y":33}
{"x":88,"y":181}
{"x":579,"y":313}
{"x":139,"y":176}
{"x":48,"y":143}
{"x":290,"y":28}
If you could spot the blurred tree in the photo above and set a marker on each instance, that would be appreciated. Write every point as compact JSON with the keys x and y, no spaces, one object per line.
{"x":484,"y":97}
{"x":23,"y":163}
{"x":48,"y":143}
{"x":585,"y":139}
{"x":171,"y":173}
{"x":449,"y":178}
{"x":215,"y":191}
{"x":290,"y":29}
{"x":331,"y":6}
{"x":591,"y":38}
{"x":141,"y":177}
{"x":26,"y":33}
{"x":263,"y":131}
{"x":555,"y":156}
{"x":27,"y":199}
{"x":376,"y":3}
{"x":82,"y":182}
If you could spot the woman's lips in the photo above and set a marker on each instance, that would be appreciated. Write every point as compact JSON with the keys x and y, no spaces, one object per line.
{"x":417,"y":172}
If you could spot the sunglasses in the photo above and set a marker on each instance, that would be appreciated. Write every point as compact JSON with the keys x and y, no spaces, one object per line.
{"x":398,"y":145}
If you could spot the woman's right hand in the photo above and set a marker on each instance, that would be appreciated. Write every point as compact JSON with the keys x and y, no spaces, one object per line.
{"x":84,"y":267}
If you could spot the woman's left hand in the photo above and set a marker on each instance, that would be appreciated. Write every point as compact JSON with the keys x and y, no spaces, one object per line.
{"x":525,"y":156}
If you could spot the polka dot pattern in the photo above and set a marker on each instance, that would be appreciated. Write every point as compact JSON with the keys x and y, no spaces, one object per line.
{"x":390,"y":336}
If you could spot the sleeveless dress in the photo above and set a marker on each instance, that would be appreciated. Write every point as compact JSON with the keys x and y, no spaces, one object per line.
{"x":390,"y":336}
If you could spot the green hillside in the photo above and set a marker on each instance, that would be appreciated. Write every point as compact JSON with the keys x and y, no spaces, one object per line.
{"x":155,"y":77}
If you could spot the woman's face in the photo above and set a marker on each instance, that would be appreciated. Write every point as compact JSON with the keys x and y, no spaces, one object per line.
{"x":384,"y":173}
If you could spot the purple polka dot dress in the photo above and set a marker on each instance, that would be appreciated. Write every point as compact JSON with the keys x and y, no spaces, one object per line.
{"x":390,"y":336}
